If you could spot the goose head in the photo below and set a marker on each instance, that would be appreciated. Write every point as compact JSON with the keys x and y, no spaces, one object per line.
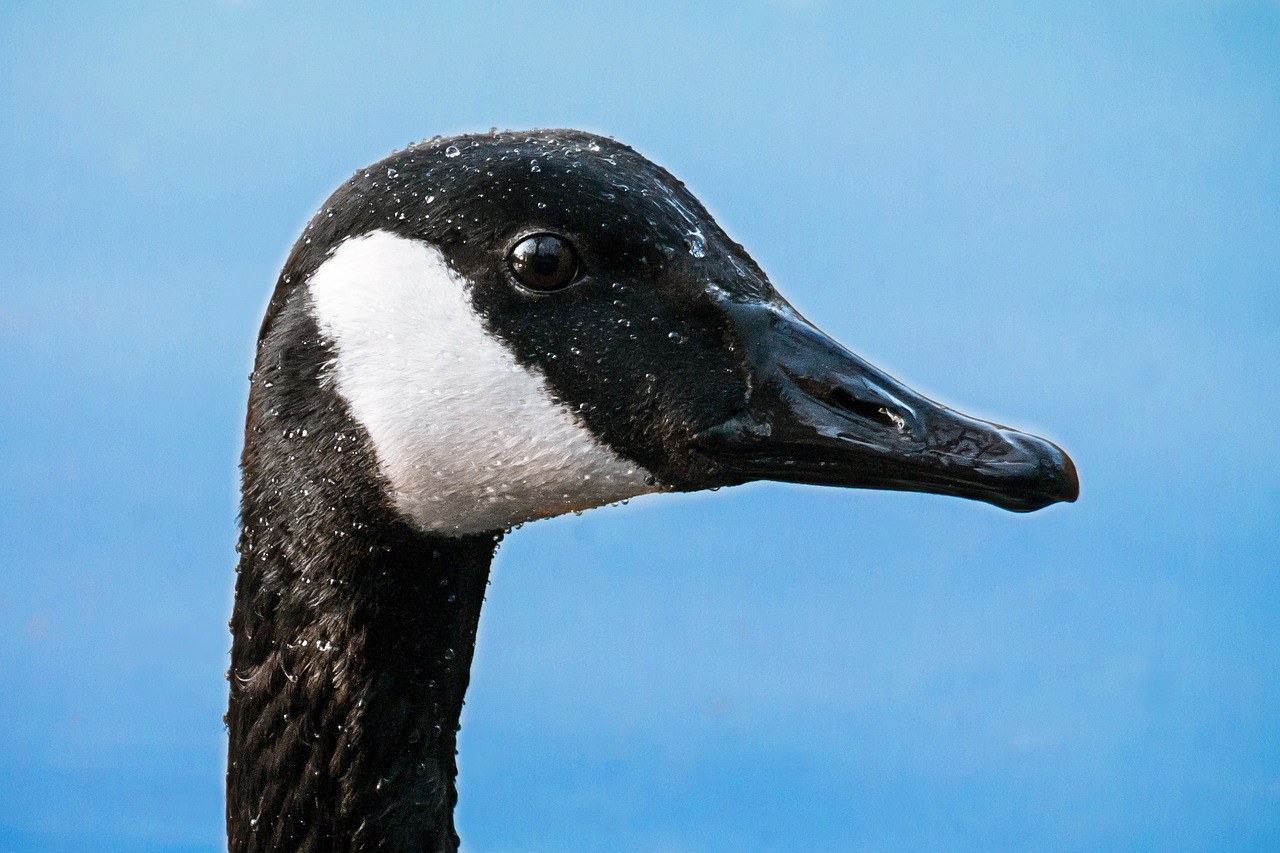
{"x":532,"y":323}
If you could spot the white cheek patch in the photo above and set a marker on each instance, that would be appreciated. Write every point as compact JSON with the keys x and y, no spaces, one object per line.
{"x":468,"y":439}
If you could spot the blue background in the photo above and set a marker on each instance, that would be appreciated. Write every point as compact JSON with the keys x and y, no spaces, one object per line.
{"x":1065,"y":217}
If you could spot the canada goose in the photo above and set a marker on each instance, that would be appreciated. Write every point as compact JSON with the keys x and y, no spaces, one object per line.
{"x":474,"y":333}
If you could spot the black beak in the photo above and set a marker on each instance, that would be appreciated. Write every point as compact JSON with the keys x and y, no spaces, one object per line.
{"x":819,"y":414}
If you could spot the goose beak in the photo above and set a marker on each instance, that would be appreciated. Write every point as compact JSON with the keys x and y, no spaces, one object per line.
{"x":819,"y":414}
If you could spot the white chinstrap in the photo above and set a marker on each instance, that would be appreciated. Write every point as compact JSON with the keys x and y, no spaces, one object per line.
{"x":468,"y":439}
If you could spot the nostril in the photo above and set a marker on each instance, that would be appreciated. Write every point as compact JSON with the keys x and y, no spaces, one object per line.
{"x":841,"y":398}
{"x":899,"y":422}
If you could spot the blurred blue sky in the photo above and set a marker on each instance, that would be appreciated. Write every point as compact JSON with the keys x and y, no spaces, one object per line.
{"x":1065,"y":217}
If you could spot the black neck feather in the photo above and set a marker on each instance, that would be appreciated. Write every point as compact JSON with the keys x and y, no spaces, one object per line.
{"x":352,"y":632}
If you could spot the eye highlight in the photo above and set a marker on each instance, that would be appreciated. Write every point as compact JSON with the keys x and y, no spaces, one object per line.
{"x":544,"y":262}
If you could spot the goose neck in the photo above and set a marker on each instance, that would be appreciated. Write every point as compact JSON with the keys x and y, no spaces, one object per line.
{"x":350,"y":661}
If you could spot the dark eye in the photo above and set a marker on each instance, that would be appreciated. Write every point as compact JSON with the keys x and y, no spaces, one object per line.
{"x":544,"y":262}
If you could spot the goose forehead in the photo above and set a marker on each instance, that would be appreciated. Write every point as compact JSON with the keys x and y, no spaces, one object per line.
{"x":475,"y":195}
{"x":466,"y":438}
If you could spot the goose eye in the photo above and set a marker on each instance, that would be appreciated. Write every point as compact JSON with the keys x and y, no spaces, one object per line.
{"x":544,"y":262}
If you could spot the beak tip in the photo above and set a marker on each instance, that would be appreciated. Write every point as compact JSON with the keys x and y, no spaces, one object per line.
{"x":1070,"y":477}
{"x":1059,"y":482}
{"x":1048,"y":476}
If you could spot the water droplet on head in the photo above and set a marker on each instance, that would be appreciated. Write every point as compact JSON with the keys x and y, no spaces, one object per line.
{"x":452,"y":151}
{"x":697,"y":243}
